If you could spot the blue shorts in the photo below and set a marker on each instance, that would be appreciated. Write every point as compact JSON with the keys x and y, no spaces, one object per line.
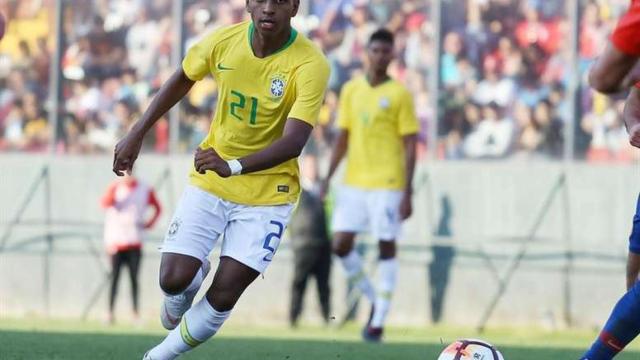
{"x":634,"y":238}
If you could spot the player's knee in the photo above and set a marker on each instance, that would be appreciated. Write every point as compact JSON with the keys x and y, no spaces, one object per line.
{"x":387,"y":249}
{"x":342,"y":248}
{"x":222,"y":301}
{"x":173,"y":283}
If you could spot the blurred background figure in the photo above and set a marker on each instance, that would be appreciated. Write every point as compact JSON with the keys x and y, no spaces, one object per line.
{"x":126,"y":202}
{"x":310,"y":242}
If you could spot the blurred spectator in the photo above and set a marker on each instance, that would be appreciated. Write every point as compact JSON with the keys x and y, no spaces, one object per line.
{"x":310,"y":242}
{"x":111,"y":69}
{"x":505,"y":58}
{"x":126,"y":202}
{"x":24,"y":75}
{"x":117,"y":52}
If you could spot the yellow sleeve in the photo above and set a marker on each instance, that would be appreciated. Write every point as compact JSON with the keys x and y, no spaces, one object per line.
{"x":196,"y":63}
{"x":311,"y":84}
{"x":407,"y":120}
{"x":344,"y":118}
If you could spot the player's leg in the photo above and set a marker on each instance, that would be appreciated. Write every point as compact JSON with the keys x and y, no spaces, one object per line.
{"x":621,"y":328}
{"x":352,"y":263}
{"x":624,"y":322}
{"x":133,"y":262}
{"x":116,"y":266}
{"x":633,"y":259}
{"x":322,"y":272}
{"x":350,"y":218}
{"x":204,"y":319}
{"x":386,"y":223}
{"x":303,"y":264}
{"x":251,"y":239}
{"x":198,"y":221}
{"x":633,"y":268}
{"x":387,"y":271}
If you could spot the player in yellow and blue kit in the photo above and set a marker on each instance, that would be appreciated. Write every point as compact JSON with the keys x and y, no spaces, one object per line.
{"x":378,"y":128}
{"x":245,"y":178}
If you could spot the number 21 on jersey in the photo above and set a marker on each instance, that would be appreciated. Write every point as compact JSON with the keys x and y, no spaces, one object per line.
{"x":238,"y":105}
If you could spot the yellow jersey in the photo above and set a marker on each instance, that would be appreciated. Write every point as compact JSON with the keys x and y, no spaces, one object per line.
{"x":256,"y":96}
{"x":376,"y":118}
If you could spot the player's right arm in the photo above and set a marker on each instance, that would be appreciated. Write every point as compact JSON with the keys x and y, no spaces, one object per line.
{"x":613,"y":70}
{"x":631,"y":116}
{"x":611,"y":73}
{"x":339,"y":150}
{"x":342,"y":142}
{"x":128,"y":148}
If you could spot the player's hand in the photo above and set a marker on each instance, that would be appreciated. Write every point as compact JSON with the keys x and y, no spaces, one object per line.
{"x":634,"y":135}
{"x":406,"y":207}
{"x":209,"y":159}
{"x":126,"y":152}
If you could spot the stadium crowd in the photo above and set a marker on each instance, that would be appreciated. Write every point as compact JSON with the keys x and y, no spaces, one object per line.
{"x":504,"y":72}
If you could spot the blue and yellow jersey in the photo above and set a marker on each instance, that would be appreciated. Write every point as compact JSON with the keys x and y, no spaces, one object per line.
{"x":377,"y":117}
{"x":256,"y":96}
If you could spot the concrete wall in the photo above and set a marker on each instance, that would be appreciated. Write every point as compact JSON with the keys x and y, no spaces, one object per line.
{"x":492,"y":208}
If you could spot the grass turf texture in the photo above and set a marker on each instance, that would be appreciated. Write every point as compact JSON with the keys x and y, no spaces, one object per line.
{"x":68,"y":340}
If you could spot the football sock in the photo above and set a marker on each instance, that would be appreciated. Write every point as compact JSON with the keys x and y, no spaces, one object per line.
{"x":387,"y":271}
{"x":621,"y":328}
{"x":352,"y":264}
{"x":198,"y":324}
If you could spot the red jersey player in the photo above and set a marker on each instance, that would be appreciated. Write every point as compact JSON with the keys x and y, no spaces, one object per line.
{"x":614,"y":72}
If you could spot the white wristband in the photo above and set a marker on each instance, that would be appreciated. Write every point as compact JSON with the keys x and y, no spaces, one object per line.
{"x":235,"y":166}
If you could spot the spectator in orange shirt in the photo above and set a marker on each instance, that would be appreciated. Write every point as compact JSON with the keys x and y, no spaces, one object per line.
{"x":126,"y":202}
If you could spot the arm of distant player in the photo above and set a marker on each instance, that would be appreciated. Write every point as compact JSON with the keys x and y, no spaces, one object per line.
{"x":289,"y":146}
{"x":127,"y":149}
{"x":410,"y":142}
{"x":339,"y":150}
{"x":631,"y":116}
{"x":612,"y":71}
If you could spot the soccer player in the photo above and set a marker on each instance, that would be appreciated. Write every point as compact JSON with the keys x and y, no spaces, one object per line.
{"x":126,"y":202}
{"x":244,"y":180}
{"x":614,"y":72}
{"x":378,"y":129}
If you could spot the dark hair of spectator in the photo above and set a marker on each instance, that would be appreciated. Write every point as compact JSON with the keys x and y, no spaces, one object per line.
{"x":383,"y":35}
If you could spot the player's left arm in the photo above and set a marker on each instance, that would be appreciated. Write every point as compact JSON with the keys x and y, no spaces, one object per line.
{"x":410,"y":142}
{"x":408,"y":128}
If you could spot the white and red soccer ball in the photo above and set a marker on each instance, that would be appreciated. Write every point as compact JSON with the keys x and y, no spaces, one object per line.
{"x":470,"y":349}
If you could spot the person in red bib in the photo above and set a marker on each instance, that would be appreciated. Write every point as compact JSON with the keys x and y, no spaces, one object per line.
{"x":126,"y":202}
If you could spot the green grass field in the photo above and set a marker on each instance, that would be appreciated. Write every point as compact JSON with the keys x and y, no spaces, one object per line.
{"x":67,"y":340}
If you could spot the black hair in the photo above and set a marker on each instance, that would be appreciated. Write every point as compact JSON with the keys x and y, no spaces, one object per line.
{"x":383,"y":35}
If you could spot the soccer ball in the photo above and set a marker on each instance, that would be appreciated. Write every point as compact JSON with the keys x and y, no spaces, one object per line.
{"x":470,"y":349}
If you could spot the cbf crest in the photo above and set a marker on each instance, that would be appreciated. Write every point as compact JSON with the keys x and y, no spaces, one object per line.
{"x":278,"y":85}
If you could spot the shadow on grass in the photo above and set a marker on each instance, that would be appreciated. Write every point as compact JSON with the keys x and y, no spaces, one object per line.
{"x":20,"y":345}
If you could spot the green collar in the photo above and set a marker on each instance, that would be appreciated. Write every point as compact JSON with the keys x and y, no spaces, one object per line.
{"x":292,"y":38}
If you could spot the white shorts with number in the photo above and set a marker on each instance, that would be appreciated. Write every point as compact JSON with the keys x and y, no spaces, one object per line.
{"x":374,"y":211}
{"x":251,"y":233}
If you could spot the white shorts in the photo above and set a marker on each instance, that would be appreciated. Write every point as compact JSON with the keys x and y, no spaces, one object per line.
{"x":251,"y":233}
{"x":374,"y":211}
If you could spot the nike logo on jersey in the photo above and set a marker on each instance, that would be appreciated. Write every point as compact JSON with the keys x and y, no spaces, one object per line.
{"x":224,"y":68}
